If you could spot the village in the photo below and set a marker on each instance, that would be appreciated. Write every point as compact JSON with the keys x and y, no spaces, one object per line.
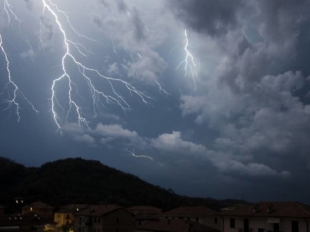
{"x":258,"y":217}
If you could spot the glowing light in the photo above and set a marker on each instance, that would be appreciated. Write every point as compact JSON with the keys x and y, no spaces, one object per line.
{"x":188,"y":61}
{"x":139,"y":156}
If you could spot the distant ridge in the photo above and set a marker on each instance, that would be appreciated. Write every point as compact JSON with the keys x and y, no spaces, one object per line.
{"x":76,"y":180}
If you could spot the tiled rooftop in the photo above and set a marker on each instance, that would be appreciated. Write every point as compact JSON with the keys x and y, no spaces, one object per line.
{"x":272,"y":209}
{"x":145,"y":208}
{"x":98,"y":210}
{"x":175,"y":225}
{"x":195,"y":211}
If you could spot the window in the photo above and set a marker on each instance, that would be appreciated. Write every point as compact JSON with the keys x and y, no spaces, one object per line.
{"x":232,"y":223}
{"x":95,"y":219}
{"x":215,"y":220}
{"x":276,"y":227}
{"x":295,"y":227}
{"x":246,"y":225}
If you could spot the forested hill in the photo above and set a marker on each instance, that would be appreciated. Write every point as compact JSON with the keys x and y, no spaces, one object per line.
{"x":86,"y":181}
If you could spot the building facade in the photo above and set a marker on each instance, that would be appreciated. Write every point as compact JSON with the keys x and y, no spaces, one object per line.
{"x":199,"y":214}
{"x":39,"y":208}
{"x":268,"y":216}
{"x":145,"y":213}
{"x":104,"y":218}
{"x":65,"y":216}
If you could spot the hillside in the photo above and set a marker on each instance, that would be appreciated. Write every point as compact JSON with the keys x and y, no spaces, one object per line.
{"x":86,"y":181}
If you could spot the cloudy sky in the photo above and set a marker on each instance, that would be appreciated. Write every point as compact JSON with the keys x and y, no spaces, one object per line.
{"x":210,"y":98}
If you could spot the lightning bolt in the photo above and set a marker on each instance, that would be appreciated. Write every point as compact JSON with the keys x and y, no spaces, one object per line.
{"x":138,"y":156}
{"x":9,"y":11}
{"x":8,"y":8}
{"x":97,"y":95}
{"x":10,"y":81}
{"x":72,"y":50}
{"x":188,"y":61}
{"x":12,"y":100}
{"x":161,"y":89}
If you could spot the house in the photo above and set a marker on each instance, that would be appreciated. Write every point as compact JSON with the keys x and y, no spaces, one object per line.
{"x":268,"y":216}
{"x":199,"y":214}
{"x":174,"y":225}
{"x":65,"y":216}
{"x":39,"y":208}
{"x":145,"y":213}
{"x":26,"y":222}
{"x":104,"y":218}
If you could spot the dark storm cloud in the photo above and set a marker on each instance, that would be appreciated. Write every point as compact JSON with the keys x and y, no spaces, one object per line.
{"x":104,"y":3}
{"x":282,"y":20}
{"x":48,"y":30}
{"x":214,"y":17}
{"x":139,"y":27}
{"x":97,"y":21}
{"x":121,"y":6}
{"x":29,"y":4}
{"x":255,"y":101}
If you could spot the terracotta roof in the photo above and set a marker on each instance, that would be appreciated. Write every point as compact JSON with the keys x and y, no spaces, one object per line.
{"x":272,"y":209}
{"x":175,"y":225}
{"x":38,"y":204}
{"x":72,"y":208}
{"x":145,"y":208}
{"x":98,"y":210}
{"x":191,"y":211}
{"x":67,"y":211}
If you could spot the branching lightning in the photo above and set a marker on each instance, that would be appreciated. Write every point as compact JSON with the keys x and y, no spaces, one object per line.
{"x":10,"y":81}
{"x":139,"y":156}
{"x":12,"y":101}
{"x":188,"y":61}
{"x":9,"y":11}
{"x":73,"y":51}
{"x":116,"y":98}
{"x":16,"y":91}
